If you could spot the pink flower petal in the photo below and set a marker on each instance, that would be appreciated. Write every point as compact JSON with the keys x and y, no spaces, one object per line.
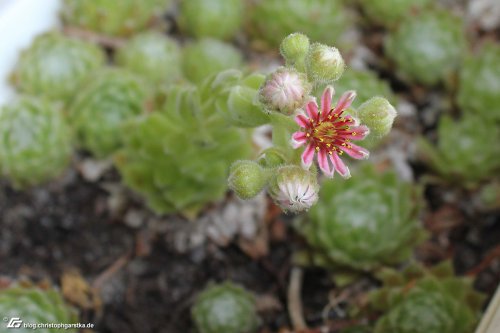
{"x":307,"y":156}
{"x":301,"y":120}
{"x":351,"y":120}
{"x":345,"y":101}
{"x":341,"y":168}
{"x":298,"y":139}
{"x":326,"y":100}
{"x":355,"y":151}
{"x":312,"y":110}
{"x":356,"y":133}
{"x":324,"y":165}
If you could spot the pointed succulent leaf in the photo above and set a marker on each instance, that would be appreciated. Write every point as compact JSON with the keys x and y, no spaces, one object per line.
{"x":178,"y":157}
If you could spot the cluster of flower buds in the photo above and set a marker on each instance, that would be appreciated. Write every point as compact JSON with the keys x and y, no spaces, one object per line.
{"x":325,"y":130}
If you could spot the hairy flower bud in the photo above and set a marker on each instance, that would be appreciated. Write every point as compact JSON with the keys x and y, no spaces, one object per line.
{"x":284,"y":91}
{"x":378,"y":114}
{"x":294,"y":189}
{"x":247,"y":179}
{"x":324,"y":63}
{"x":294,"y":49}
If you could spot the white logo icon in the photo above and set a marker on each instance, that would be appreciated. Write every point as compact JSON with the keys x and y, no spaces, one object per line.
{"x":14,"y":322}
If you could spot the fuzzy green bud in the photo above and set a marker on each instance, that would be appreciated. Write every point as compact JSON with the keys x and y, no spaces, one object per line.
{"x":225,"y":308}
{"x":378,"y":114}
{"x":294,"y":189}
{"x":294,"y":49}
{"x":247,"y":179}
{"x":324,"y":63}
{"x":285,"y":91}
{"x":243,"y":109}
{"x":211,"y":18}
{"x":209,"y":56}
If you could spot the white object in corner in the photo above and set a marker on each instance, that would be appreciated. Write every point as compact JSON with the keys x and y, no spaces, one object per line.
{"x":20,"y":22}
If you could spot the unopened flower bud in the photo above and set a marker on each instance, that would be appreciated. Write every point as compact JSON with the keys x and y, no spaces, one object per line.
{"x":272,"y":157}
{"x":294,"y":189}
{"x":378,"y":114}
{"x":294,"y":48}
{"x":324,"y":63}
{"x":247,"y":179}
{"x":244,"y":110}
{"x":284,"y":91}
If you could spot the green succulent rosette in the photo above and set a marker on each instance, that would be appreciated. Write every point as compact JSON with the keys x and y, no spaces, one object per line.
{"x":152,"y":55}
{"x":207,"y":57}
{"x":390,"y":13}
{"x":362,"y":223}
{"x":35,"y":305}
{"x":54,"y":65}
{"x":179,"y":157}
{"x":480,"y":83}
{"x":104,"y":103}
{"x":111,"y":17}
{"x":427,"y":48}
{"x":419,"y":300}
{"x":272,"y":20}
{"x":35,"y":141}
{"x":463,"y":154}
{"x":219,"y":19}
{"x":225,"y":308}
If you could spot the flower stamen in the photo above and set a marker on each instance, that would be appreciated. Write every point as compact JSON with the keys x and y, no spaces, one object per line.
{"x":329,"y":133}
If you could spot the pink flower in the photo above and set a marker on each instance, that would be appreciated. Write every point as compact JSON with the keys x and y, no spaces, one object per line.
{"x":329,"y":133}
